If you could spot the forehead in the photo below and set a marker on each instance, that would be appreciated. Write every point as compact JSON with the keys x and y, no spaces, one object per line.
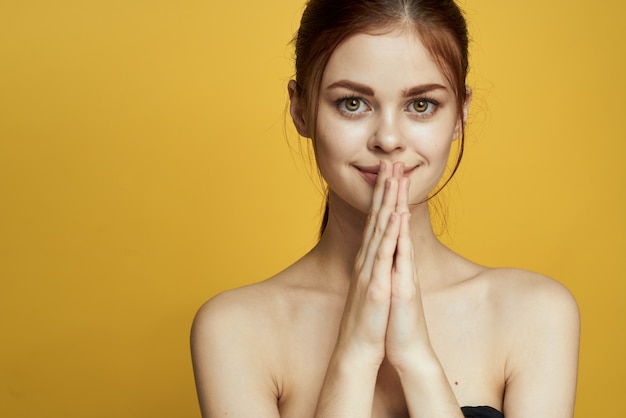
{"x":398,"y":59}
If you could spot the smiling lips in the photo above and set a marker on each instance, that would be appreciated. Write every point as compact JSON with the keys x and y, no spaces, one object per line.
{"x":370,"y":174}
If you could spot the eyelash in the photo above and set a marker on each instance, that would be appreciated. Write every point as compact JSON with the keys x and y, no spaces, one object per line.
{"x":432,"y":103}
{"x":341,"y":105}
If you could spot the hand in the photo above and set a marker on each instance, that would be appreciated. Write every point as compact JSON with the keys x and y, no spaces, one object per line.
{"x":384,"y":318}
{"x":406,"y":340}
{"x":365,"y":320}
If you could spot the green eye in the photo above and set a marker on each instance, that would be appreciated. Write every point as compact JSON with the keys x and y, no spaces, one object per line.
{"x":352,"y":105}
{"x":420,"y":106}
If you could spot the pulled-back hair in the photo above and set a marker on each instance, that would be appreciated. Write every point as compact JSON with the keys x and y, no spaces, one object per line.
{"x":439,"y":24}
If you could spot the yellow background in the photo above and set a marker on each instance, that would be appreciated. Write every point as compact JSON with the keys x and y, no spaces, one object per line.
{"x":144,"y":167}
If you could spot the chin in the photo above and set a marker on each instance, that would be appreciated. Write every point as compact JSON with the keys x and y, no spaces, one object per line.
{"x":353,"y":206}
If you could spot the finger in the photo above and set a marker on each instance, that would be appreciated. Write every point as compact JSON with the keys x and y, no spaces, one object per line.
{"x":402,"y":205}
{"x":405,"y":299}
{"x":382,"y":219}
{"x":378,"y":295}
{"x":384,"y":172}
{"x":398,"y":173}
{"x":398,"y":169}
{"x":404,"y":267}
{"x":378,"y":196}
{"x":383,"y":260}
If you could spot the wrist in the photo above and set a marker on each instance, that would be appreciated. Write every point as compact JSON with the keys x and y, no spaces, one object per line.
{"x":427,"y":385}
{"x":424,"y":364}
{"x":356,"y":359}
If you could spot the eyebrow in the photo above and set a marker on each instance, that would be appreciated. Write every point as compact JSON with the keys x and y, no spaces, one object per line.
{"x":417,"y":90}
{"x":359,"y":88}
{"x":367,"y":91}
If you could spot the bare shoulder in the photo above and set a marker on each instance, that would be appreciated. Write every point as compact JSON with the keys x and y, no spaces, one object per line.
{"x":238,"y":324}
{"x":237,"y":308}
{"x":539,"y":329}
{"x":245,"y":341}
{"x":533,"y":294}
{"x":232,"y":351}
{"x":520,"y":307}
{"x":267,"y":306}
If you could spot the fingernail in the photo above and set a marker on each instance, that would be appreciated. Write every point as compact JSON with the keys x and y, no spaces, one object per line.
{"x":398,"y":168}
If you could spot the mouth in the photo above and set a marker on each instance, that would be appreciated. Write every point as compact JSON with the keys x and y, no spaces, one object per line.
{"x":370,"y":174}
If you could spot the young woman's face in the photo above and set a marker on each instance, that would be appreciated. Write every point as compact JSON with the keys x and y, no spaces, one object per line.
{"x":383,"y":97}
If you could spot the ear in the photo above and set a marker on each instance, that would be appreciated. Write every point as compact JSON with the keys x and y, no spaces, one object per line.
{"x":296,"y":110}
{"x":458,"y":129}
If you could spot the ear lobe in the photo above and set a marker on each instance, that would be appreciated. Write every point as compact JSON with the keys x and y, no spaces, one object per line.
{"x":458,"y":129}
{"x":297,"y":110}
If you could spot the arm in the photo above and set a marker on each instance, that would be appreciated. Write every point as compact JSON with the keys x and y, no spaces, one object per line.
{"x":230,"y":371}
{"x":541,"y":377}
{"x":408,"y":348}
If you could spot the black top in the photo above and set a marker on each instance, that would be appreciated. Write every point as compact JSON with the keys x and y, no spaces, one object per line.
{"x":481,"y":412}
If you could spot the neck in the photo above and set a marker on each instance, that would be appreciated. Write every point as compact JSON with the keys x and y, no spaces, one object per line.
{"x":342,"y":238}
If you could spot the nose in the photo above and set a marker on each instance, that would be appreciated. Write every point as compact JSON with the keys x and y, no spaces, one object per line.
{"x":387,"y":135}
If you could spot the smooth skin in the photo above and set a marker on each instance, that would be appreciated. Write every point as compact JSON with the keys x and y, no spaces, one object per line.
{"x":380,"y":319}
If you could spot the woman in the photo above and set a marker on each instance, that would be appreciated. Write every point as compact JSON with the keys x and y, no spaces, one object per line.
{"x":380,"y":319}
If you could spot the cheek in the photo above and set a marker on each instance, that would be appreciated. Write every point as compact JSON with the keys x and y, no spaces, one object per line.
{"x":338,"y":138}
{"x":431,"y":139}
